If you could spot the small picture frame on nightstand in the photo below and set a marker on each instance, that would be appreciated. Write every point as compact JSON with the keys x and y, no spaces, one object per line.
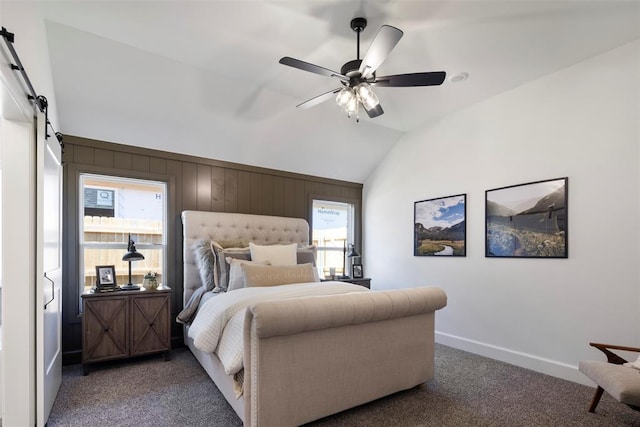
{"x":356,"y":271}
{"x":106,"y":278}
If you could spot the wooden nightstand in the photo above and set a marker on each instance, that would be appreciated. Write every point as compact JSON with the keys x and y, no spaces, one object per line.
{"x":366,"y":281}
{"x":123,"y":324}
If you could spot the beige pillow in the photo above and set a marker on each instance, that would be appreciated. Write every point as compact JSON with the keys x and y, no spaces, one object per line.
{"x":269,"y":275}
{"x":236,"y":277}
{"x":274,"y":254}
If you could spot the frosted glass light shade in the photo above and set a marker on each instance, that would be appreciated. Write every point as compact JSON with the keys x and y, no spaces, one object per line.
{"x":352,"y":106}
{"x":367,"y":96}
{"x":344,"y":97}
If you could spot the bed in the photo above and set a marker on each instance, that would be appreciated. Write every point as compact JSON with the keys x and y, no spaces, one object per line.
{"x":306,"y":356}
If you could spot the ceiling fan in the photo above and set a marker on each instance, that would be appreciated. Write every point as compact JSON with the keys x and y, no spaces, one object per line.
{"x":357,"y":76}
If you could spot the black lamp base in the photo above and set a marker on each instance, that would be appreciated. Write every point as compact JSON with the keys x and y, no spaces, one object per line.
{"x":129,"y":286}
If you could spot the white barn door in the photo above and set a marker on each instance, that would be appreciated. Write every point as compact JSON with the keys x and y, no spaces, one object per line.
{"x":48,"y":271}
{"x":18,"y":147}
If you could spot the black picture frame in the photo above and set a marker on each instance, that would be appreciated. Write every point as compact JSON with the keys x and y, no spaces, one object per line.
{"x":106,"y":276}
{"x":356,"y":271}
{"x":440,"y":226}
{"x":528,"y":220}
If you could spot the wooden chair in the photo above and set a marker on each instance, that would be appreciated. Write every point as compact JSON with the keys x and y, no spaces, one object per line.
{"x":621,"y":382}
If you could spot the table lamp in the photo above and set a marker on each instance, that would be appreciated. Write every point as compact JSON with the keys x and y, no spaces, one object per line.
{"x":352,"y":253}
{"x":131,"y":255}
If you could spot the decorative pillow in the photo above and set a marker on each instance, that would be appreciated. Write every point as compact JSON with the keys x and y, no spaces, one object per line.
{"x":222,"y":266}
{"x":205,"y":261}
{"x":305,"y":256}
{"x":236,"y":278}
{"x":274,"y":254}
{"x":268,"y":275}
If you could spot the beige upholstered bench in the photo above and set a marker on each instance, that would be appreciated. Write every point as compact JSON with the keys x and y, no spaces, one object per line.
{"x":621,"y":382}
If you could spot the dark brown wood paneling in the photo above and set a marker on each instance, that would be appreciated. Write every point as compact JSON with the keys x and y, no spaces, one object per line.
{"x":103,"y":158}
{"x":256,"y":193}
{"x":174,"y":170}
{"x":67,"y":154}
{"x":203,"y":185}
{"x":192,"y":183}
{"x":278,"y":196}
{"x":141,"y":163}
{"x":157,"y":165}
{"x":267,"y":195}
{"x":349,"y":193}
{"x":217,"y":189}
{"x":300,"y":199}
{"x":231,"y":190}
{"x":83,"y":155}
{"x":189,"y":186}
{"x":244,"y":192}
{"x":123,"y":160}
{"x":289,"y":197}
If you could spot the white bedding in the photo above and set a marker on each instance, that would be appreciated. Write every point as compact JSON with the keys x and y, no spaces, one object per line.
{"x":218,"y":326}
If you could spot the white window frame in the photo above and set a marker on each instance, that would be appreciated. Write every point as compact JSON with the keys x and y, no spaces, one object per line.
{"x":351,"y":225}
{"x":140,"y":246}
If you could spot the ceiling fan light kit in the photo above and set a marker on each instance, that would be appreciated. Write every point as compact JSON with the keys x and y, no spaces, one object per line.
{"x":357,"y":76}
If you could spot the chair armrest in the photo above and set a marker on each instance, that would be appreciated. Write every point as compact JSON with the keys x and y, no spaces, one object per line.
{"x":612,"y":357}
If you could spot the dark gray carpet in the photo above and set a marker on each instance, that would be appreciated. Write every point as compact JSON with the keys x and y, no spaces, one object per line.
{"x":468,"y":390}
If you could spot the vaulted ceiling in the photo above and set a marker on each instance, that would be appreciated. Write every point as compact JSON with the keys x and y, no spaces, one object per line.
{"x":203,"y":78}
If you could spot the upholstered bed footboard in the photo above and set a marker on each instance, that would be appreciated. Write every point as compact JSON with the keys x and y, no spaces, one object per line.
{"x":307,"y":358}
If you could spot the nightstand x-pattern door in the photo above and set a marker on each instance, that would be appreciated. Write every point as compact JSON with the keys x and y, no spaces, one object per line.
{"x":150,"y":331}
{"x":106,"y":331}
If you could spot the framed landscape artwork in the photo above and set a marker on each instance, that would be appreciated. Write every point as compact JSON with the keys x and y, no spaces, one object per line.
{"x":527,"y":220}
{"x":440,"y":226}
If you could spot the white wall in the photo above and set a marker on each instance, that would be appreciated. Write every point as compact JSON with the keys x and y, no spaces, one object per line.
{"x":26,"y":22}
{"x":581,"y":122}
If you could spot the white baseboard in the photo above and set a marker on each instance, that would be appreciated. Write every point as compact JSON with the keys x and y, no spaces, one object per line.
{"x":524,"y":360}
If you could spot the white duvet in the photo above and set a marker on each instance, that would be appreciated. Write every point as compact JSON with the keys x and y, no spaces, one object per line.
{"x":218,"y":326}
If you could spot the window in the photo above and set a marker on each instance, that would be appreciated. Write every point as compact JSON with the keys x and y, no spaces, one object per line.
{"x":111,"y":208}
{"x":332,"y":232}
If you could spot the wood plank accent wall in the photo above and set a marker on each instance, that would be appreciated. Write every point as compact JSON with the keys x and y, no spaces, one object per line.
{"x":193,"y":183}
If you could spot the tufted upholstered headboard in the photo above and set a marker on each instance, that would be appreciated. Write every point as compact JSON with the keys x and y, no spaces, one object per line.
{"x":220,"y":226}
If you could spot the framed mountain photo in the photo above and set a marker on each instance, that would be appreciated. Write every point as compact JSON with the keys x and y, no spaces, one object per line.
{"x":440,"y":226}
{"x":527,"y":220}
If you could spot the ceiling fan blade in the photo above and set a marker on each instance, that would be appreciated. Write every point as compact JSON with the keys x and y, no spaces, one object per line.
{"x":312,"y":68}
{"x":319,"y":99}
{"x":375,"y":111}
{"x":433,"y":78}
{"x":381,"y":46}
